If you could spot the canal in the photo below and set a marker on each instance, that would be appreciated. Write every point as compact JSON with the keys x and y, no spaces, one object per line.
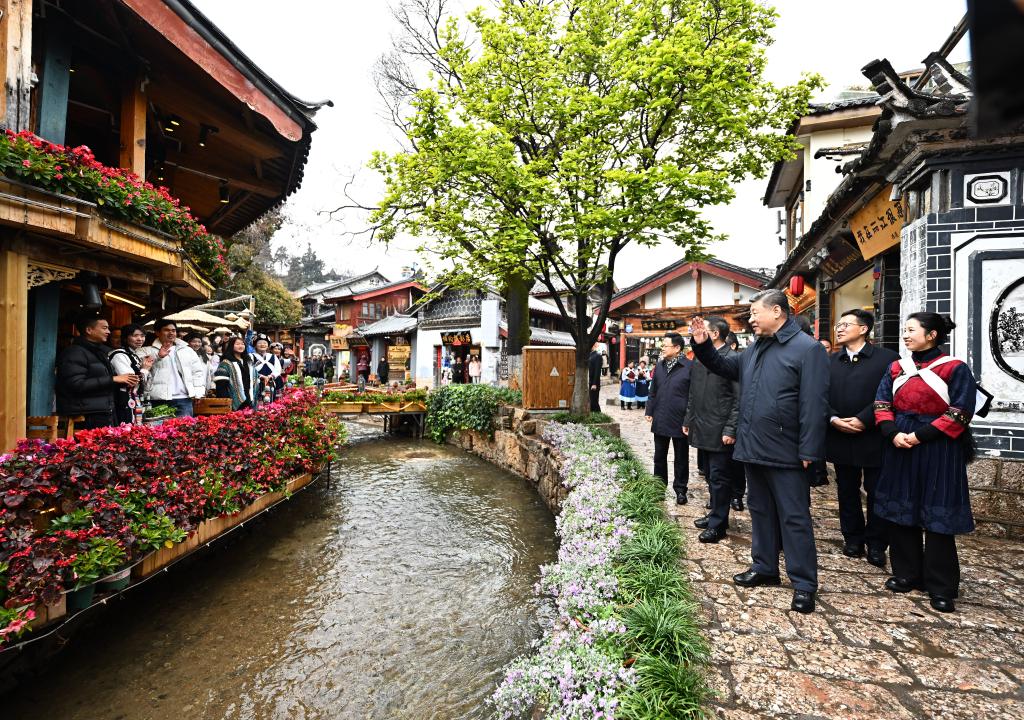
{"x":400,"y":591}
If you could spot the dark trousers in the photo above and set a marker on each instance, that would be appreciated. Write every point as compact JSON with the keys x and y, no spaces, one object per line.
{"x":97,"y":420}
{"x":681,"y":473}
{"x":595,"y":399}
{"x":921,"y":556}
{"x":738,"y":474}
{"x":720,"y":484}
{"x":856,"y":529}
{"x":779,"y":501}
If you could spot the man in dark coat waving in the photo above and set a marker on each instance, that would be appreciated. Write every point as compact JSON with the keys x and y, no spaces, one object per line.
{"x":666,"y":411}
{"x":854,"y":443}
{"x":710,"y":425}
{"x":783,"y":380}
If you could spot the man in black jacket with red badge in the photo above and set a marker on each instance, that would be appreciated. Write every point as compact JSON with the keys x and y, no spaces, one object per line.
{"x":853,"y":443}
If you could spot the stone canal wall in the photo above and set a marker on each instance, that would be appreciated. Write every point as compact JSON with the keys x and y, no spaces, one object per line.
{"x":517,"y":447}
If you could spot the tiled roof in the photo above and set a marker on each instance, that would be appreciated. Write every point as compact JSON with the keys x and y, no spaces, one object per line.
{"x":391,"y":325}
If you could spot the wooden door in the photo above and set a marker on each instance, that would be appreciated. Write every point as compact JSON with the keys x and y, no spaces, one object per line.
{"x":548,"y":377}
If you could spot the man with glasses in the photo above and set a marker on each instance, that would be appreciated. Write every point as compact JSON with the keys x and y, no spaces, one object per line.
{"x":666,"y":411}
{"x":853,"y":442}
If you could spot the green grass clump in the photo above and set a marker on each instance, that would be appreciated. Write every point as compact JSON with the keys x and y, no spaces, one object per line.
{"x":654,"y":542}
{"x":666,"y":689}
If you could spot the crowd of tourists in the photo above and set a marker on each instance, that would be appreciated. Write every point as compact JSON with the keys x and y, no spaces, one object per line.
{"x":109,"y":386}
{"x":771,"y":415}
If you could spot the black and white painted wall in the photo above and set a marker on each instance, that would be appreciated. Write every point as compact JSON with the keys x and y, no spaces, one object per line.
{"x":964,"y":255}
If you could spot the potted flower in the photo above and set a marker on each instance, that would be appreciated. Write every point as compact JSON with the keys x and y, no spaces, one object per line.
{"x":158,"y":413}
{"x":102,"y":557}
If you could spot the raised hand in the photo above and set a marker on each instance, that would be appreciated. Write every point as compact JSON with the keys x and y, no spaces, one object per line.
{"x":698,"y":331}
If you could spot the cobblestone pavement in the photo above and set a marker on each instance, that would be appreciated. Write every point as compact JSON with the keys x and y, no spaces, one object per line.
{"x":865,"y":654}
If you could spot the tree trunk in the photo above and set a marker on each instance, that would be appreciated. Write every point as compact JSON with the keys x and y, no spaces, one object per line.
{"x":581,"y":388}
{"x":517,"y":298}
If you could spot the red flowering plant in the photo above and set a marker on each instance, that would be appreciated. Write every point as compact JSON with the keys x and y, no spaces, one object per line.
{"x":129,"y":490}
{"x":121,"y":193}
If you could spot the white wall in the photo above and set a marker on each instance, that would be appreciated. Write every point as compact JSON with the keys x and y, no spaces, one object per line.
{"x":653,"y":299}
{"x":822,"y":172}
{"x":425,"y":352}
{"x":715,"y":290}
{"x":681,"y":292}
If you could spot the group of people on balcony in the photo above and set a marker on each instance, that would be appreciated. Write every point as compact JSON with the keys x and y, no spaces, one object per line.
{"x":109,"y":386}
{"x":899,"y":429}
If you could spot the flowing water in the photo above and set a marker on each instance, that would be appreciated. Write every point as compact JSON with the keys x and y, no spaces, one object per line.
{"x":400,"y":591}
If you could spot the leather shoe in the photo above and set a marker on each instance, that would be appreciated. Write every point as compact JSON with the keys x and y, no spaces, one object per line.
{"x":901,"y":585}
{"x":752,"y":578}
{"x":853,"y":550}
{"x":701,"y":522}
{"x":711,"y":535}
{"x":876,"y":557}
{"x":803,"y":601}
{"x":941,"y":604}
{"x":681,"y":499}
{"x":737,"y":504}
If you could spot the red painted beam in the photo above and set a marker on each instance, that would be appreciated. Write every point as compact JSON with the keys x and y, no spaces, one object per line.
{"x":165,"y":21}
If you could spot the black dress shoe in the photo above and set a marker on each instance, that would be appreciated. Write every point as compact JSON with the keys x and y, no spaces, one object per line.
{"x":945,"y":605}
{"x":803,"y":601}
{"x":901,"y":585}
{"x":701,"y":522}
{"x":737,"y":504}
{"x":711,"y":535}
{"x":752,"y":578}
{"x":876,"y":557}
{"x":681,"y":499}
{"x":853,"y":550}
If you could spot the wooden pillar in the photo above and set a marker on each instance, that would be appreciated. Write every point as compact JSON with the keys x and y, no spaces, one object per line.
{"x":44,"y":305}
{"x":133,"y":128}
{"x":13,"y":346}
{"x":53,"y":96}
{"x":16,"y":57}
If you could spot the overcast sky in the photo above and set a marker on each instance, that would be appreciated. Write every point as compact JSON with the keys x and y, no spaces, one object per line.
{"x":326,"y":49}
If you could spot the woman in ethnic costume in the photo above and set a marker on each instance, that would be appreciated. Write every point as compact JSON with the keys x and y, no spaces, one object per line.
{"x":627,"y":391}
{"x":643,"y":384}
{"x":923,"y":408}
{"x":236,"y":377}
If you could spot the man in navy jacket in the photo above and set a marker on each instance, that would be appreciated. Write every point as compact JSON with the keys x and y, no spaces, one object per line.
{"x":666,"y":411}
{"x":783,"y":381}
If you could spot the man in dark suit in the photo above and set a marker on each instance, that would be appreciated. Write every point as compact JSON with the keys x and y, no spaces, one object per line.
{"x":780,"y":434}
{"x":594,"y":363}
{"x":853,"y":442}
{"x":710,"y":425}
{"x":666,"y":411}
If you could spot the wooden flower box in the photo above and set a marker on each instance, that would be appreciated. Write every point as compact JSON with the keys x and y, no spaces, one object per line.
{"x":384,"y":407}
{"x":211,"y":406}
{"x":351,"y":407}
{"x":159,"y":559}
{"x":416,"y":406}
{"x":46,"y":614}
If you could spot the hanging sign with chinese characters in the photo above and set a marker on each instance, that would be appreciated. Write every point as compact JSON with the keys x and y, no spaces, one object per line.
{"x":660,"y":324}
{"x":877,"y":225}
{"x":463,"y":337}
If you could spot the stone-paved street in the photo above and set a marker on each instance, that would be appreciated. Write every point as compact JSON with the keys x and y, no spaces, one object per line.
{"x":865,"y":654}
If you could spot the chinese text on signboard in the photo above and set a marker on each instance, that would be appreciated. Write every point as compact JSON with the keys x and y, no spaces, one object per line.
{"x":877,"y":225}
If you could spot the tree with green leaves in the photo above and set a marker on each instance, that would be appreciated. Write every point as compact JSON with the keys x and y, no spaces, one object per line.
{"x":554,"y":133}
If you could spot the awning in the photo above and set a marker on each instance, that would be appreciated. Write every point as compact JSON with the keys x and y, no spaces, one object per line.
{"x":199,"y":320}
{"x":392,"y":325}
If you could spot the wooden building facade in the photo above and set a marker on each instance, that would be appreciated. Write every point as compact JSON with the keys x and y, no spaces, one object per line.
{"x":149,"y":87}
{"x":666,"y":300}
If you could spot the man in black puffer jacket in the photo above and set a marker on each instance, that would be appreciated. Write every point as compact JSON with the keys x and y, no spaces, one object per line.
{"x":784,"y":378}
{"x":85,"y":379}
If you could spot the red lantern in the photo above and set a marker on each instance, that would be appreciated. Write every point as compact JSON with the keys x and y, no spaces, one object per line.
{"x":796,"y":286}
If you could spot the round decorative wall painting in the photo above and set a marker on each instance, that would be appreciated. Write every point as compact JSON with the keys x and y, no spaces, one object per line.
{"x":1007,"y":329}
